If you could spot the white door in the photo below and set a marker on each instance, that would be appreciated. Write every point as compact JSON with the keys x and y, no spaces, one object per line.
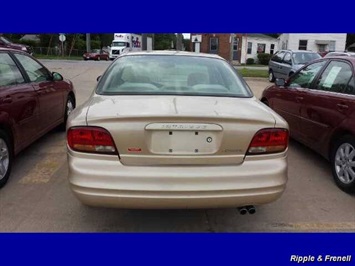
{"x":197,"y":47}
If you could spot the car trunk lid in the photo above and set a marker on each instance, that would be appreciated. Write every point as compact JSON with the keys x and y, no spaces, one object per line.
{"x":180,"y":130}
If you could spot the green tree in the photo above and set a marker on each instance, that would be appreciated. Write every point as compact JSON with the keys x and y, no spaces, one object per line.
{"x":350,"y":39}
{"x":186,"y":43}
{"x":164,"y":41}
{"x":13,"y":37}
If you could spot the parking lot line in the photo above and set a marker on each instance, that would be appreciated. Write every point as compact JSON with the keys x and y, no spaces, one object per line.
{"x":318,"y":226}
{"x":43,"y":171}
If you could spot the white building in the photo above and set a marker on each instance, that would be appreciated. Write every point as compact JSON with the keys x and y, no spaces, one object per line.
{"x":316,"y":42}
{"x":252,"y":44}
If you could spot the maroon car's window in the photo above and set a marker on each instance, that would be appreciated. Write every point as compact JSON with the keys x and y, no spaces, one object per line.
{"x":350,"y":89}
{"x":35,"y":71}
{"x":9,"y":73}
{"x":335,"y":77}
{"x":305,"y":76}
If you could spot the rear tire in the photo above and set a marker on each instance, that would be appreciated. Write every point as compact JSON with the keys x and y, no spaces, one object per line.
{"x":6,"y":158}
{"x":343,"y":163}
{"x":264,"y":101}
{"x":271,"y":76}
{"x":69,"y":107}
{"x":98,"y":58}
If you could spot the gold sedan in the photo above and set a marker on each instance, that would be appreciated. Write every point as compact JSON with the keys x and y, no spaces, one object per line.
{"x":168,"y":130}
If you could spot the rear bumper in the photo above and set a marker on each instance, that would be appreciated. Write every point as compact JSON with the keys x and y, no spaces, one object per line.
{"x":104,"y":181}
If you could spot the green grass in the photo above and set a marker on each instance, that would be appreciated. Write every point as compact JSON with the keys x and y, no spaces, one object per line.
{"x":255,"y":73}
{"x":253,"y":65}
{"x":41,"y":56}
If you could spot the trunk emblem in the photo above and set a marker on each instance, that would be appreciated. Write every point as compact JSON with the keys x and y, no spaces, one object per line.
{"x":134,"y":149}
{"x":209,"y":139}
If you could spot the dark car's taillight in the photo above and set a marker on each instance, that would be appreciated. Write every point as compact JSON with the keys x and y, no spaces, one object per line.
{"x":91,"y":139}
{"x":269,"y":140}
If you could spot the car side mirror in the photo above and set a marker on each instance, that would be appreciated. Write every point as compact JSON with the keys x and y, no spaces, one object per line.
{"x":280,"y":82}
{"x":98,"y":78}
{"x":56,"y":76}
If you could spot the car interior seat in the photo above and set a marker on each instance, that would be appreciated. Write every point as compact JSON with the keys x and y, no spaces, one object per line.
{"x":197,"y":78}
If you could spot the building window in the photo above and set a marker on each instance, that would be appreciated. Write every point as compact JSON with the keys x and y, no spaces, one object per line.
{"x":331,"y":46}
{"x":213,"y":44}
{"x":321,"y":48}
{"x":249,"y":47}
{"x":261,"y":48}
{"x":302,"y":45}
{"x":272,"y":48}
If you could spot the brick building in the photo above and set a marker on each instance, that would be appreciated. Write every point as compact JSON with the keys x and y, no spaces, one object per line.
{"x":226,"y":45}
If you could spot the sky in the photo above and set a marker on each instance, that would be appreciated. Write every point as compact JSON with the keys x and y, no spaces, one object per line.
{"x":186,"y":35}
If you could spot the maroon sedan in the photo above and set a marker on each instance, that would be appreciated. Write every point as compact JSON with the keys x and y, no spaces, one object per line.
{"x":96,"y":54}
{"x":33,"y":101}
{"x":6,"y":43}
{"x":318,"y":102}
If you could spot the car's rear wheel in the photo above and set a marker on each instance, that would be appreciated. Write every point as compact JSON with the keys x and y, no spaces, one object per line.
{"x":69,"y":107}
{"x":5,"y":158}
{"x":107,"y":58}
{"x":271,"y":76}
{"x":98,"y":58}
{"x":264,"y":101}
{"x":343,"y":163}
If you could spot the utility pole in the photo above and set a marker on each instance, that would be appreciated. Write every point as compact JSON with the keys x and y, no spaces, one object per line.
{"x":179,"y":42}
{"x":88,"y":42}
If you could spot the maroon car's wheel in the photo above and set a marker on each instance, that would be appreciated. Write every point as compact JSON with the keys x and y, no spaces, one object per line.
{"x":5,"y":158}
{"x":264,"y":101}
{"x":343,"y":163}
{"x":69,"y":107}
{"x":98,"y":58}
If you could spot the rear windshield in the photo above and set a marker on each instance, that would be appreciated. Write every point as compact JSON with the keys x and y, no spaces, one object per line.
{"x":304,"y":58}
{"x":169,"y":74}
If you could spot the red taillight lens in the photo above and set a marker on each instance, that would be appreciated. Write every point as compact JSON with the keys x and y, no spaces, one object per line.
{"x":269,"y":141}
{"x":91,"y":139}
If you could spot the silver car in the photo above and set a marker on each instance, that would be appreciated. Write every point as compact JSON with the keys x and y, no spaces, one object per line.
{"x":352,"y":54}
{"x":286,"y":62}
{"x":175,"y":130}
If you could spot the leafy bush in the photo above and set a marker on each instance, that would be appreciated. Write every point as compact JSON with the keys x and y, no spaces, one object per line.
{"x":250,"y":61}
{"x":264,"y":58}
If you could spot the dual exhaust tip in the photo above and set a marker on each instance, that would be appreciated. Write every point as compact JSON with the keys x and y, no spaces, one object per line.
{"x":247,"y":209}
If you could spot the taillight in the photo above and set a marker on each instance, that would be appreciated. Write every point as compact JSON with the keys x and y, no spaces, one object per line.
{"x":269,"y":140}
{"x":91,"y":139}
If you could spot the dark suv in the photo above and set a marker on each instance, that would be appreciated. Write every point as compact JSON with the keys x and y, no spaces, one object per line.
{"x":6,"y":43}
{"x":286,"y":62}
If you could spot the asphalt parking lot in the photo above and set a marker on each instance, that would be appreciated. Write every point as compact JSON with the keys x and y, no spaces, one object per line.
{"x":37,"y":197}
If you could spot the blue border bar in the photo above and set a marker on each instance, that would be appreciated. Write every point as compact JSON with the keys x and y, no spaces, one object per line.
{"x":173,"y":249}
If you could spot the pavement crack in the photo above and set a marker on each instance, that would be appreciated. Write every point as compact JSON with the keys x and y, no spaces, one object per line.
{"x":209,"y":225}
{"x":86,"y":70}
